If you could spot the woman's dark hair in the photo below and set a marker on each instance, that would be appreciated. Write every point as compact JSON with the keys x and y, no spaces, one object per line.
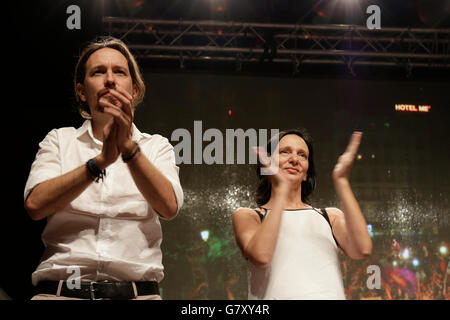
{"x":264,"y":189}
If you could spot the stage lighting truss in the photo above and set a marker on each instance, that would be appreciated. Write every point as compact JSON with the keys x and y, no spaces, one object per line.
{"x":241,"y":42}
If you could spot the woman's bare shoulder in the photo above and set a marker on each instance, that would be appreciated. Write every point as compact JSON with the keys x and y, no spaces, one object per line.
{"x":334,"y":211}
{"x":334,"y":214}
{"x":241,"y":212}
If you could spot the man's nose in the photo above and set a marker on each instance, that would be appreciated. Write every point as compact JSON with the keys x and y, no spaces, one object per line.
{"x":110,"y":81}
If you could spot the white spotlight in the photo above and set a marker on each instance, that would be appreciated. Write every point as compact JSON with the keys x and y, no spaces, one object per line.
{"x":405,"y":254}
{"x":205,"y":235}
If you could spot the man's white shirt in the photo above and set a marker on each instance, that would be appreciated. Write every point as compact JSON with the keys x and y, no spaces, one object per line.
{"x":110,"y":232}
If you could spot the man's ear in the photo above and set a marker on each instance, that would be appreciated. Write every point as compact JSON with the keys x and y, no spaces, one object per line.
{"x":135,"y":91}
{"x":80,"y":92}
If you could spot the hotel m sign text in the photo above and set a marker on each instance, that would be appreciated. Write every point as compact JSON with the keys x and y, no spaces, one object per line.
{"x":412,"y":108}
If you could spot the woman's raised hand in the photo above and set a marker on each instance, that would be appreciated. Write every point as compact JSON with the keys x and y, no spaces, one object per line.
{"x":345,"y":161}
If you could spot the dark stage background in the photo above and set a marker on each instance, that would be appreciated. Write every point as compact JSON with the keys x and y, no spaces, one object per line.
{"x":401,"y":178}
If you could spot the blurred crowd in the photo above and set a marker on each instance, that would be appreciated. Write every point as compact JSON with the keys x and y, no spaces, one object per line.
{"x":408,"y":270}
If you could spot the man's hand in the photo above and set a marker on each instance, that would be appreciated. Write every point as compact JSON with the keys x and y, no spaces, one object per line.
{"x":342,"y":169}
{"x":121,"y":108}
{"x":110,"y":152}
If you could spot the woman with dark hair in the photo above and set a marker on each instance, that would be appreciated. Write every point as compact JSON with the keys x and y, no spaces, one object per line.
{"x":292,"y":247}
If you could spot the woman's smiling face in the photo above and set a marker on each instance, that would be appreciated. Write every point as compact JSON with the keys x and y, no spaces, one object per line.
{"x":293,"y":155}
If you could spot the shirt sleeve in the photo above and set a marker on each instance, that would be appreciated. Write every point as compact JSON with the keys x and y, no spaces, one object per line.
{"x":165,"y":162}
{"x":46,"y":165}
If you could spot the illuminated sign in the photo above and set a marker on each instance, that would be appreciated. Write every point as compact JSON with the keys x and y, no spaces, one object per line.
{"x":412,"y":108}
